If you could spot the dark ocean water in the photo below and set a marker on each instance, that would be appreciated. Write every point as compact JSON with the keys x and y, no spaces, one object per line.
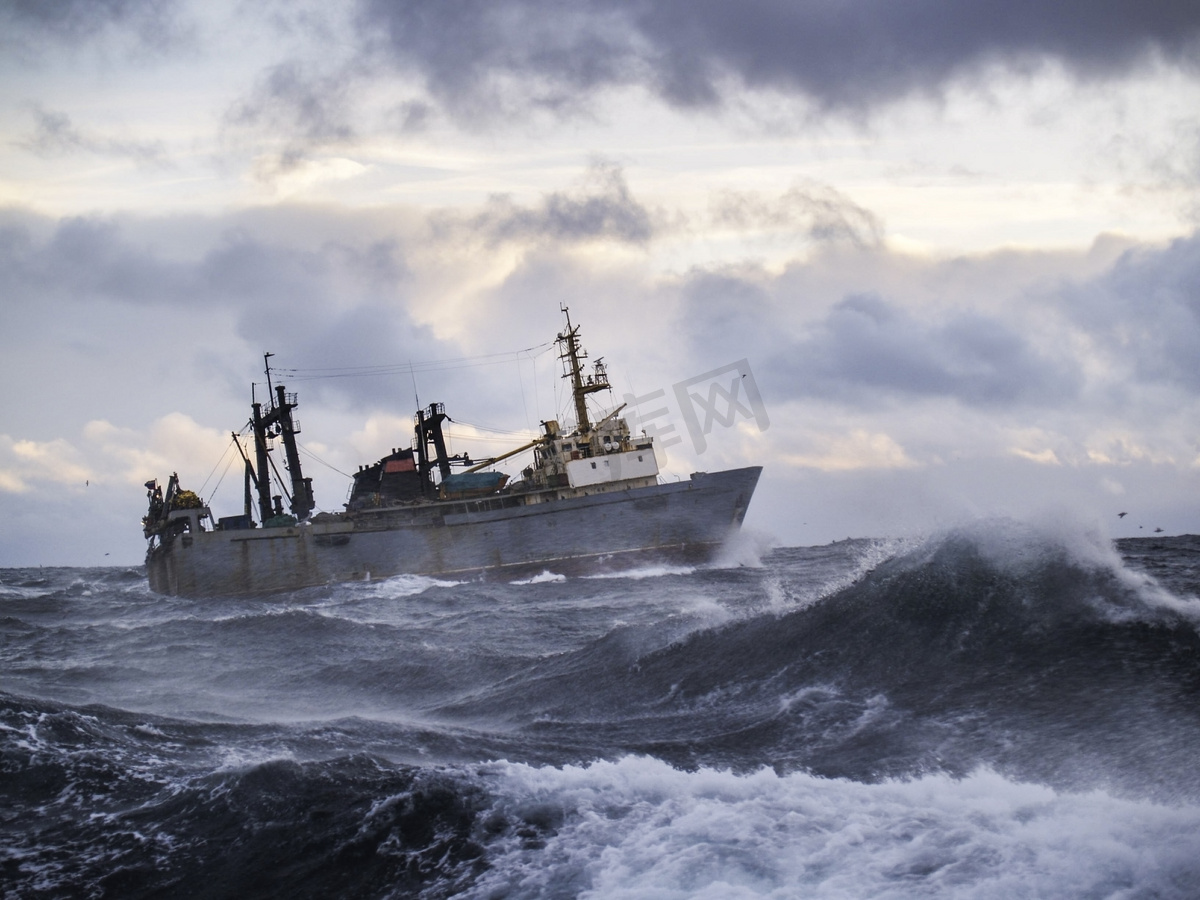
{"x":1001,"y":711}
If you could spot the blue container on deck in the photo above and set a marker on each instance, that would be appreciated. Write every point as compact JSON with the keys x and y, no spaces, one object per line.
{"x":472,"y":484}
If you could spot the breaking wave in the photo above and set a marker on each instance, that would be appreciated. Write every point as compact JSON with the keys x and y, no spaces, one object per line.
{"x":1003,"y":709}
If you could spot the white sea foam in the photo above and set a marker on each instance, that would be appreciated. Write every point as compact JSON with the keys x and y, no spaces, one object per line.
{"x":399,"y":586}
{"x":642,"y":572}
{"x":815,"y":692}
{"x":16,"y":592}
{"x":637,"y":828}
{"x":541,"y":578}
{"x":745,"y":547}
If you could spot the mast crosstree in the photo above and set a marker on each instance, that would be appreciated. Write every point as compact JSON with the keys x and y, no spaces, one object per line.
{"x":573,"y":355}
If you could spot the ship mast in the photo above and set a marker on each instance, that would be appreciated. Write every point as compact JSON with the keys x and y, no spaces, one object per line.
{"x":573,"y":354}
{"x":278,"y":421}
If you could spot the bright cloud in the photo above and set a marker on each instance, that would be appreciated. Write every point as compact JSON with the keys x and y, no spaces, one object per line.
{"x":107,"y":454}
{"x":24,"y":464}
{"x":856,"y":450}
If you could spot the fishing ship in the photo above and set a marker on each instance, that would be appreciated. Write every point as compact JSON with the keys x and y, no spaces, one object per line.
{"x":591,"y":500}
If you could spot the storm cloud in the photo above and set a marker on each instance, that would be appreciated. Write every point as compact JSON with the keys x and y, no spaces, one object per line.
{"x":310,"y":106}
{"x":1144,"y":314}
{"x":849,"y":56}
{"x":55,"y":133}
{"x":339,"y":304}
{"x":867,"y":350}
{"x":601,"y":207}
{"x":154,"y":25}
{"x":819,"y":211}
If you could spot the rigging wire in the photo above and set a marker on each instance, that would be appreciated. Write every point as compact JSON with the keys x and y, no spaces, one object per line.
{"x":537,"y":402}
{"x":217,"y":486}
{"x":459,"y":436}
{"x":491,"y":428}
{"x":433,"y":365}
{"x":214,"y":469}
{"x":521,"y":382}
{"x":314,"y":456}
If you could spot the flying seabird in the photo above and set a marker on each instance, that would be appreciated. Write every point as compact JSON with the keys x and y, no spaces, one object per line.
{"x":1122,"y":515}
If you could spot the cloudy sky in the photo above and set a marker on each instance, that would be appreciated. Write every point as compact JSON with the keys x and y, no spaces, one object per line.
{"x":956,"y":243}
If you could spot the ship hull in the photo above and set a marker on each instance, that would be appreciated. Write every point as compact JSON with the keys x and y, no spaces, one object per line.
{"x":685,"y":521}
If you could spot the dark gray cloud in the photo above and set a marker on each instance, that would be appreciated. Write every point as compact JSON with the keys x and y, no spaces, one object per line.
{"x":862,"y":52}
{"x":847,"y":55}
{"x":727,"y":314}
{"x":558,"y":51}
{"x":1145,"y":313}
{"x":154,"y":25}
{"x":335,"y":315}
{"x":866,"y":348}
{"x":313,"y":108}
{"x":867,"y":351}
{"x":85,"y":258}
{"x":336,"y":305}
{"x":54,"y":134}
{"x":600,"y":208}
{"x":821,"y":212}
{"x":412,"y":116}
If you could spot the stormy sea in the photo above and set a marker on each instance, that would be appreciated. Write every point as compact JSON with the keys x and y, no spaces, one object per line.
{"x":1002,"y":710}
